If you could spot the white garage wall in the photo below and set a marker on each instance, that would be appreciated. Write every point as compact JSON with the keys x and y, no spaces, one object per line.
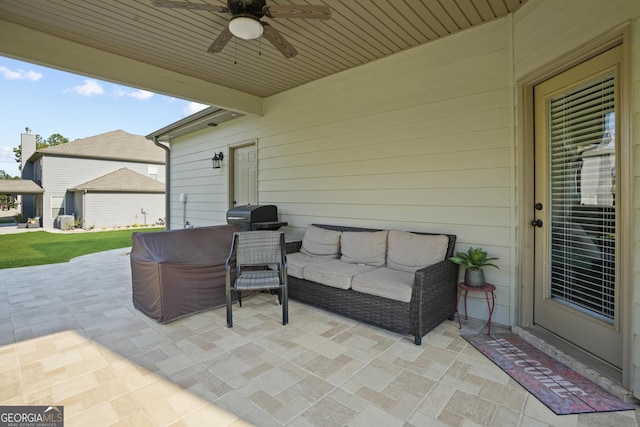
{"x":108,"y":210}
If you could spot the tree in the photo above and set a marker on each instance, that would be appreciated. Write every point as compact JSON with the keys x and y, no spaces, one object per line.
{"x":5,"y":175}
{"x":54,"y":139}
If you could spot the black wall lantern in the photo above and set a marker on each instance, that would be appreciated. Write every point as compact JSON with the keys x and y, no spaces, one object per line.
{"x":217,"y":160}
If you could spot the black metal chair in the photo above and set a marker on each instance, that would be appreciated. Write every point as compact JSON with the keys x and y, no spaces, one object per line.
{"x":261,"y":264}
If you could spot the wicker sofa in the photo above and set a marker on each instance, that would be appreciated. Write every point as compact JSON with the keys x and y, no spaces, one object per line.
{"x":401,"y":281}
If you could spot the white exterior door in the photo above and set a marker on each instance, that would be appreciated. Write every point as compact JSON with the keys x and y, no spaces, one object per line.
{"x":245,"y":175}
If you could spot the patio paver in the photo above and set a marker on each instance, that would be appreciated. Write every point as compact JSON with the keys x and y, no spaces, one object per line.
{"x":69,"y":335}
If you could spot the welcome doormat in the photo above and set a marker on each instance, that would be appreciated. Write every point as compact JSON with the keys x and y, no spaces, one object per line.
{"x":561,"y":389}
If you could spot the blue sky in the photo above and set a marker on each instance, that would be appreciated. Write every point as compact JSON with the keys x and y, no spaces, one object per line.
{"x":50,"y":101}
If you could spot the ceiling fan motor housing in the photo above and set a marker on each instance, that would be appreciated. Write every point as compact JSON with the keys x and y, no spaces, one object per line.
{"x":247,"y":7}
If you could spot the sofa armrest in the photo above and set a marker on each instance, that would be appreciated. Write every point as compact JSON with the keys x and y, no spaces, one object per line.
{"x":292,"y":247}
{"x":436,"y":273}
{"x":434,"y":296}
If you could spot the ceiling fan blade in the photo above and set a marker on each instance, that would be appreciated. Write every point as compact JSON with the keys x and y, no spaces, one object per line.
{"x":221,"y":41}
{"x":191,"y":6}
{"x":278,"y":41}
{"x":297,"y":11}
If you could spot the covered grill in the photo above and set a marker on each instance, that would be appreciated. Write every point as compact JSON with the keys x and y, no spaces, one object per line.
{"x":255,"y":217}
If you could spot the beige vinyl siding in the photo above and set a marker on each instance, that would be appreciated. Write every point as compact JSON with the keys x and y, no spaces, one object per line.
{"x":418,"y":141}
{"x":401,"y":143}
{"x":548,"y":30}
{"x":372,"y":146}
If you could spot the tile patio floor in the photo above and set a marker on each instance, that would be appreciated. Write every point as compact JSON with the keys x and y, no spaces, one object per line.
{"x":69,"y":335}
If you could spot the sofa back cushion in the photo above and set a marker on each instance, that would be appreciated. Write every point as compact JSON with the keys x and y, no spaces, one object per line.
{"x":320,"y":242}
{"x":410,"y":251}
{"x":364,"y":247}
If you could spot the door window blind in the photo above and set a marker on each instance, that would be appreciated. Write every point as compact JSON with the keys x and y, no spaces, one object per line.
{"x":583,"y":190}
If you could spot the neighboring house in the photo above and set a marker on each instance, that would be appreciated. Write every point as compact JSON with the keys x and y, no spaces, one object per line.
{"x":115,"y":179}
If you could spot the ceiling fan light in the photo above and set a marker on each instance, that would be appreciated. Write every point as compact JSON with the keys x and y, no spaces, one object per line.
{"x":245,"y":27}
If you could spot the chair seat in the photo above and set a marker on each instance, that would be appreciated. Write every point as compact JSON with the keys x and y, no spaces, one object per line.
{"x":262,"y":279}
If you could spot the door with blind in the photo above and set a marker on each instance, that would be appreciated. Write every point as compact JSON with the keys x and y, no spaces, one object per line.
{"x":576,"y":226}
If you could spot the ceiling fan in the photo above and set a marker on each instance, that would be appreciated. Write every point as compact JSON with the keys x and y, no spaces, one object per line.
{"x":246,"y":21}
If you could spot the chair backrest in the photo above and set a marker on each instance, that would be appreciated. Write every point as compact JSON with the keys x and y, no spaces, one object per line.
{"x":259,"y":247}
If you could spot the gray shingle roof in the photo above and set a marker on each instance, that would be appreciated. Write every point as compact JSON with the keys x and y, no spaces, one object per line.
{"x":19,"y":186}
{"x":123,"y":180}
{"x":114,"y":145}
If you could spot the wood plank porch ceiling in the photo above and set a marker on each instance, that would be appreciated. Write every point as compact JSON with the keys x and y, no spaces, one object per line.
{"x":359,"y":31}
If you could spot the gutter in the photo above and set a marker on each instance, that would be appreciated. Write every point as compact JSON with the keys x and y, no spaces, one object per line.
{"x":167,"y":182}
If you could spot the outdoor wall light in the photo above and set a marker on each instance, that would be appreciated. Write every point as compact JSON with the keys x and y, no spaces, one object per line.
{"x":217,"y":160}
{"x":246,"y":27}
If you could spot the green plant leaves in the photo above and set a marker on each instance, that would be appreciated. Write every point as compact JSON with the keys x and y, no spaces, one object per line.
{"x":474,"y":259}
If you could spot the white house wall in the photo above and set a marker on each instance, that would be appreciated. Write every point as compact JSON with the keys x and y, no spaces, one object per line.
{"x":192,"y":175}
{"x":107,"y":210}
{"x":62,"y":173}
{"x":418,"y":141}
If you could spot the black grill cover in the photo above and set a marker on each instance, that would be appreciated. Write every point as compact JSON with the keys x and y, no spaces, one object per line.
{"x":252,"y":213}
{"x":255,"y":217}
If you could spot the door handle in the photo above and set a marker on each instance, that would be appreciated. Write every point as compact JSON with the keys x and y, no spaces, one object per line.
{"x":536,"y":223}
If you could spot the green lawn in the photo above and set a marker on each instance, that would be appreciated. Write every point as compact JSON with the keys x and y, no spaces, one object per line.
{"x":41,"y":247}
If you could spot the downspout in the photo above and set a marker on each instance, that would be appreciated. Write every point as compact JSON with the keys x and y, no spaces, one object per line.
{"x":167,"y":182}
{"x":84,"y":207}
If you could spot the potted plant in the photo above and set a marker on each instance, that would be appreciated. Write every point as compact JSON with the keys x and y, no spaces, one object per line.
{"x":474,"y":260}
{"x":19,"y":218}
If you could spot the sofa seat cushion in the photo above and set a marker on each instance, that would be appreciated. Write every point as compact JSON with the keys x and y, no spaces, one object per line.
{"x":385,"y":282}
{"x":364,"y":247}
{"x":410,"y":251}
{"x":297,"y":261}
{"x":320,"y":242}
{"x":334,"y":273}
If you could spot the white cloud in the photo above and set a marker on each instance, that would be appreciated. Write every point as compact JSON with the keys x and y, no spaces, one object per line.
{"x":89,"y":88}
{"x":119,"y":92}
{"x":193,"y":107}
{"x":6,"y":154}
{"x":8,"y":161}
{"x":19,"y":74}
{"x":140,"y":94}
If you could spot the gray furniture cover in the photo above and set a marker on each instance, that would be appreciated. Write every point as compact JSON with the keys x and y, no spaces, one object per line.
{"x":179,"y":272}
